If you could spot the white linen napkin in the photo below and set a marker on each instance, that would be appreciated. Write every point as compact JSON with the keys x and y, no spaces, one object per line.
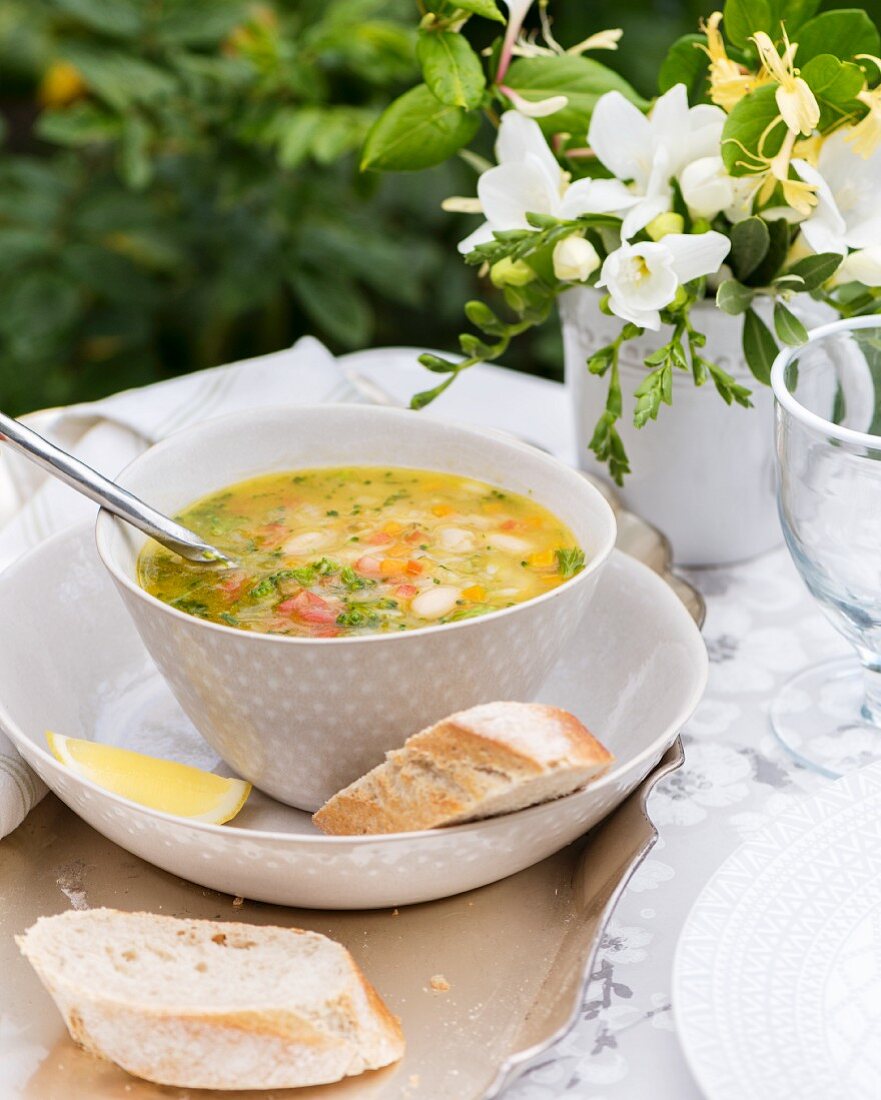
{"x":107,"y":435}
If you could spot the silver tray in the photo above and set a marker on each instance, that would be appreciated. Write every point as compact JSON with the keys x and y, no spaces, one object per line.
{"x":517,"y":954}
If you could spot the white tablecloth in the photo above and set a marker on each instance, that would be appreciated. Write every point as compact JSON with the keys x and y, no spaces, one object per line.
{"x":761,"y":627}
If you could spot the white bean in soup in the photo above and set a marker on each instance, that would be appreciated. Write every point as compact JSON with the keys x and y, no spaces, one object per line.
{"x":326,"y":553}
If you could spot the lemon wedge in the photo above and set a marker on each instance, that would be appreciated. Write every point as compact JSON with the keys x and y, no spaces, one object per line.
{"x":160,"y":784}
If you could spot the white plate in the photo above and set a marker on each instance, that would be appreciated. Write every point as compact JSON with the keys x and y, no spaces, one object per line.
{"x":777,"y":977}
{"x":74,"y":663}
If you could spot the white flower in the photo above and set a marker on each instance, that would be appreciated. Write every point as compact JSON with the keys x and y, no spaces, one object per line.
{"x":708,"y":189}
{"x":650,"y":150}
{"x":714,"y":776}
{"x":643,"y":278}
{"x":848,"y":211}
{"x":863,"y":266}
{"x":528,"y":180}
{"x":517,"y":10}
{"x":575,"y":259}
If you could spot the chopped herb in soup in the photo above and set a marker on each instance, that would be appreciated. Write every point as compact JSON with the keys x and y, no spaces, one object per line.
{"x":363,"y":550}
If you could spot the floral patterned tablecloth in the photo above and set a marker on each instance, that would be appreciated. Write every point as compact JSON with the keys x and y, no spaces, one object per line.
{"x":761,"y":627}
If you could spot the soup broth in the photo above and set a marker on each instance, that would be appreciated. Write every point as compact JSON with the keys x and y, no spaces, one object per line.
{"x":362,"y":550}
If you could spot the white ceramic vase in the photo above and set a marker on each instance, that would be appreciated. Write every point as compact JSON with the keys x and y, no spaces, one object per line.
{"x":703,"y":472}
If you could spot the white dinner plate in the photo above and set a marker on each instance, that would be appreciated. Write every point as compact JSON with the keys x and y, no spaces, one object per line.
{"x":73,"y":663}
{"x":777,"y":977}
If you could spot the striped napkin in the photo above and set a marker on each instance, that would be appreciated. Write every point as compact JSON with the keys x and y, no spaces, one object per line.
{"x":107,"y":435}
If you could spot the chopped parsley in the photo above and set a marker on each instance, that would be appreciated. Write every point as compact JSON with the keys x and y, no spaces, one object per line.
{"x":569,"y":561}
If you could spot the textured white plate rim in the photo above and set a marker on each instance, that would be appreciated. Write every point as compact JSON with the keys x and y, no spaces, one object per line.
{"x":662,"y":592}
{"x":107,"y":521}
{"x":844,"y":794}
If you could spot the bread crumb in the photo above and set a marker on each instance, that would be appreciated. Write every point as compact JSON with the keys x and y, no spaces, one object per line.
{"x":395,"y":913}
{"x":439,"y":983}
{"x":237,"y":903}
{"x":414,"y":1080}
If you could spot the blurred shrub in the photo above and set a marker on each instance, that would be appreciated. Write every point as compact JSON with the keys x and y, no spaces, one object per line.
{"x":178,"y":186}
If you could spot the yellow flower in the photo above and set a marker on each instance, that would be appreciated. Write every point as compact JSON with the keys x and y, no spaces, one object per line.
{"x":729,"y":82}
{"x":798,"y":194}
{"x":61,"y":84}
{"x":795,"y":100}
{"x":866,"y":135}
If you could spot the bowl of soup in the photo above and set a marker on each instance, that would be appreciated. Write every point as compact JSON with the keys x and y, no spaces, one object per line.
{"x":389,"y":569}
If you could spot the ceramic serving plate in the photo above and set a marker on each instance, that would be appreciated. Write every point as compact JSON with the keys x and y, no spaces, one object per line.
{"x":75,"y":664}
{"x":777,"y":976}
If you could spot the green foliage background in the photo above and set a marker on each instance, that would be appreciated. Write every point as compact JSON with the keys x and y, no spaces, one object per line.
{"x":179,"y":185}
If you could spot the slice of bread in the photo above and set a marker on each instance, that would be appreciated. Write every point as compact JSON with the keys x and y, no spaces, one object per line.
{"x":211,"y":1004}
{"x":488,"y":760}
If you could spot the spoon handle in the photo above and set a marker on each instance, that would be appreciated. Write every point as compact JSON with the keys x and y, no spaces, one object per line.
{"x":98,"y":488}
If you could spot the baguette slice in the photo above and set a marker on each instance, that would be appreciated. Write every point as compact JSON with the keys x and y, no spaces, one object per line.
{"x":488,"y":760}
{"x":211,"y":1004}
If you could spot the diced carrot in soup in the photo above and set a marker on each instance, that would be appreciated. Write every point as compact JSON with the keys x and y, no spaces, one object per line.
{"x":327,"y":553}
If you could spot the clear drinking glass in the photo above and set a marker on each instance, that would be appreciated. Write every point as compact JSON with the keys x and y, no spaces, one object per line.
{"x":828,"y":411}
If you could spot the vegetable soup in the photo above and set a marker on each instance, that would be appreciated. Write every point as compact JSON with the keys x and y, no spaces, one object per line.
{"x":361,"y":550}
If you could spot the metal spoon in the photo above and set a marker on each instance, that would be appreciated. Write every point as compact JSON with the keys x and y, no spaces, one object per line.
{"x":108,"y":494}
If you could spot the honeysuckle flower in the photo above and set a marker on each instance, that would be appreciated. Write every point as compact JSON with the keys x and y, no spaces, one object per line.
{"x":862,"y":266}
{"x":866,"y":135}
{"x":517,"y":10}
{"x":539,"y":108}
{"x":729,"y":82}
{"x":527,"y":46}
{"x":650,"y":150}
{"x":796,"y":102}
{"x":847,"y":213}
{"x":529,"y":180}
{"x":643,"y":278}
{"x":575,"y":259}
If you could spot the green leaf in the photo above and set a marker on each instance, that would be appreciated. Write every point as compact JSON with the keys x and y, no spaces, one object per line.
{"x":686,"y":63}
{"x":733,"y":297}
{"x":118,"y":78}
{"x":759,"y":347}
{"x":417,"y":131}
{"x":751,"y":121}
{"x":742,"y":18}
{"x":788,"y":327}
{"x":134,"y":160}
{"x":794,"y":12}
{"x":750,"y":240}
{"x":485,"y":8}
{"x":815,"y":270}
{"x":831,"y":80}
{"x":779,"y":231}
{"x":843,"y":33}
{"x":335,"y":304}
{"x":118,"y":18}
{"x":451,"y":69}
{"x":81,"y":123}
{"x":580,"y":79}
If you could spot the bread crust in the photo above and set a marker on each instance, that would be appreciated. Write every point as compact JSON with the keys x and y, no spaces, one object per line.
{"x":187,"y":1046}
{"x":465,"y":767}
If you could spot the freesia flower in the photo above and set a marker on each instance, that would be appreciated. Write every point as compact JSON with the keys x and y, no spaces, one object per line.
{"x":729,"y":82}
{"x":848,"y":213}
{"x":575,"y":259}
{"x":643,"y":278}
{"x":706,"y":186}
{"x":796,"y":102}
{"x":650,"y":150}
{"x":529,"y":180}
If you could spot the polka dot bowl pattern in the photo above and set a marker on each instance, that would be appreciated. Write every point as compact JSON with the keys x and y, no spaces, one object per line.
{"x":634,"y":672}
{"x":301,"y":718}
